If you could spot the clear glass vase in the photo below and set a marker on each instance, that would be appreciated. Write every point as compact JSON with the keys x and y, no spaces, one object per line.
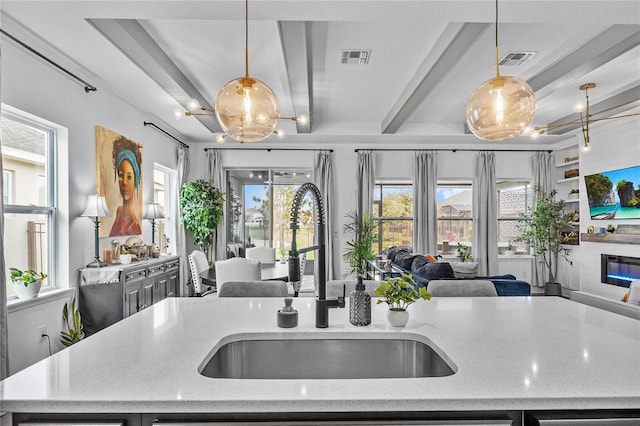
{"x":360,"y":305}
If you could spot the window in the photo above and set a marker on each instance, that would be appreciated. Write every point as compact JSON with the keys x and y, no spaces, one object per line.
{"x":28,"y":156}
{"x":163,"y":193}
{"x":393,"y":210}
{"x":7,"y":186}
{"x":514,"y":199}
{"x":259,"y":204}
{"x":455,"y":216}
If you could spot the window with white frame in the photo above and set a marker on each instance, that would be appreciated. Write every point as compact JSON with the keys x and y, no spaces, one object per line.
{"x":514,"y":200}
{"x":393,"y":212}
{"x":7,"y":186}
{"x":455,"y":216}
{"x":164,"y":181}
{"x":29,"y":169}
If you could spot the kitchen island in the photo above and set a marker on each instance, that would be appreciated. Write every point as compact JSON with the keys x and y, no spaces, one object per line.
{"x":515,"y":358}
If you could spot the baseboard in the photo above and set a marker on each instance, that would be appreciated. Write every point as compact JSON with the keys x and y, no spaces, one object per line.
{"x":616,"y":306}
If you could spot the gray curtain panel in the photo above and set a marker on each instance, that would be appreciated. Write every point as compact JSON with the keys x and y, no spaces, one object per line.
{"x":181,"y":237}
{"x":215,"y":173}
{"x":323,"y":176}
{"x":543,"y":177}
{"x":365,"y":181}
{"x":425,"y":209}
{"x":485,"y":215}
{"x":4,"y":345}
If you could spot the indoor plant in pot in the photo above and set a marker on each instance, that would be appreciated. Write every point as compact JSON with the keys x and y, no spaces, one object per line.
{"x":398,"y":293}
{"x":27,"y":283}
{"x":357,"y":254}
{"x":201,"y":207}
{"x":545,"y":231}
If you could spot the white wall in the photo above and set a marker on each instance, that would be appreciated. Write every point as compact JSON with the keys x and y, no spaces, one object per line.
{"x":613,"y":146}
{"x":30,"y":85}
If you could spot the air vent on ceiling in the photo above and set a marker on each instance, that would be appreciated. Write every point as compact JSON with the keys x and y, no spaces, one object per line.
{"x":355,"y":56}
{"x":515,"y":59}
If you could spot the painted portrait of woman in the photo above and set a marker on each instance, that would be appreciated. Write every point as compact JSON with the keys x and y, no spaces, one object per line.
{"x":120,"y":179}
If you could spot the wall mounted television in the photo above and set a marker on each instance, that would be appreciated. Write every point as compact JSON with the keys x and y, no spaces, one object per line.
{"x":614,"y":194}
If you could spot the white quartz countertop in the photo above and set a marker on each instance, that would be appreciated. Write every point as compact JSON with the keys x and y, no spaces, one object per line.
{"x":511,"y":353}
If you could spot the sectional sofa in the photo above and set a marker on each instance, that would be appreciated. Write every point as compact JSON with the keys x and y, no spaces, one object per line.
{"x":424,"y":269}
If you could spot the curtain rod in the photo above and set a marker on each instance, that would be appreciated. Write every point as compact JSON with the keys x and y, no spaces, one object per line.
{"x":455,"y":149}
{"x":184,"y":145}
{"x":268,"y":149}
{"x":87,"y":87}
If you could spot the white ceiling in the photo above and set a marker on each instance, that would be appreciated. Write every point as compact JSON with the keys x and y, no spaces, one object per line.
{"x":427,"y":57}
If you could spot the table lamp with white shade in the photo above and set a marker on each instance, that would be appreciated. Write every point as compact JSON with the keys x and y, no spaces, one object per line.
{"x":96,"y":208}
{"x":154,"y":211}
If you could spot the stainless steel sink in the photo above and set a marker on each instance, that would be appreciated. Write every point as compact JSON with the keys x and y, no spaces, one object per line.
{"x":373,"y":358}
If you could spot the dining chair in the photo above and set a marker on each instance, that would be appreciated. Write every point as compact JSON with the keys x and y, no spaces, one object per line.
{"x":198,"y":263}
{"x":461,"y":288}
{"x":265,"y":255}
{"x":237,"y":269}
{"x":253,"y":289}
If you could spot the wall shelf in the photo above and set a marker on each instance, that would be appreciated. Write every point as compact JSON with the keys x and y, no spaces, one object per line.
{"x":567,"y":163}
{"x":571,"y":179}
{"x":608,"y":237}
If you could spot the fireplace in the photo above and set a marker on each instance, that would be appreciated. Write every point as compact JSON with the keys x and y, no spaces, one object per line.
{"x":619,"y":270}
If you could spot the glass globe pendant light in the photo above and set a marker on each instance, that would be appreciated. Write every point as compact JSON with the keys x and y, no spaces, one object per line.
{"x":246,"y":108}
{"x":502,"y":107}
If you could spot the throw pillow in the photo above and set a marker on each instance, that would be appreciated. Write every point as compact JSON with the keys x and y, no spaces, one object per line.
{"x":465,"y":269}
{"x":634,"y":292}
{"x":432,"y":271}
{"x":405,"y":260}
{"x":430,"y":258}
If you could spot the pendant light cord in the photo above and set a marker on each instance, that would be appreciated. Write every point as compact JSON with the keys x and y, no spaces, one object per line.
{"x":246,"y":38}
{"x":497,"y":57}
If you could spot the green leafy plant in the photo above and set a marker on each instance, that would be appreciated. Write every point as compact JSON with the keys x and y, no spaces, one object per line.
{"x":400,"y":292}
{"x":464,"y":252}
{"x":545,"y":231}
{"x":72,"y":324}
{"x":201,"y":205}
{"x":358,"y":251}
{"x":26,"y":277}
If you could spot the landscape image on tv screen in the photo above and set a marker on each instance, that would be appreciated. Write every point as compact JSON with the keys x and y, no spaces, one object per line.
{"x":614,"y":194}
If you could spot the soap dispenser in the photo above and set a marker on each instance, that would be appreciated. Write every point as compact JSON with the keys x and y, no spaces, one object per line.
{"x":287,"y":316}
{"x":360,"y":305}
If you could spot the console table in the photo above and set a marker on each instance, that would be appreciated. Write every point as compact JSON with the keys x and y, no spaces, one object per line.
{"x":109,"y":294}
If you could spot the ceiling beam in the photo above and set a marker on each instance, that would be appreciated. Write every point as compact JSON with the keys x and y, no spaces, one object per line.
{"x":297,"y":54}
{"x":452,"y":44}
{"x":135,"y":42}
{"x":606,"y":46}
{"x":625,"y":99}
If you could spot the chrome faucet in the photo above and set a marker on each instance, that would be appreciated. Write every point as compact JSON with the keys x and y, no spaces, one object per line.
{"x":322,"y":304}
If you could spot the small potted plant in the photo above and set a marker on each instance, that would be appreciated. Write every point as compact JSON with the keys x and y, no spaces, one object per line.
{"x":464,"y":252}
{"x":574,"y":194}
{"x":611,"y":229}
{"x":125,"y":255}
{"x":27,"y":283}
{"x":510,"y":251}
{"x":398,"y":293}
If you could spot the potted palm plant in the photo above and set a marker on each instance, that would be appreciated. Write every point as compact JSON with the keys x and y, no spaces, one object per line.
{"x":26,"y":283}
{"x":398,"y":293}
{"x":545,"y":230}
{"x":357,"y":253}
